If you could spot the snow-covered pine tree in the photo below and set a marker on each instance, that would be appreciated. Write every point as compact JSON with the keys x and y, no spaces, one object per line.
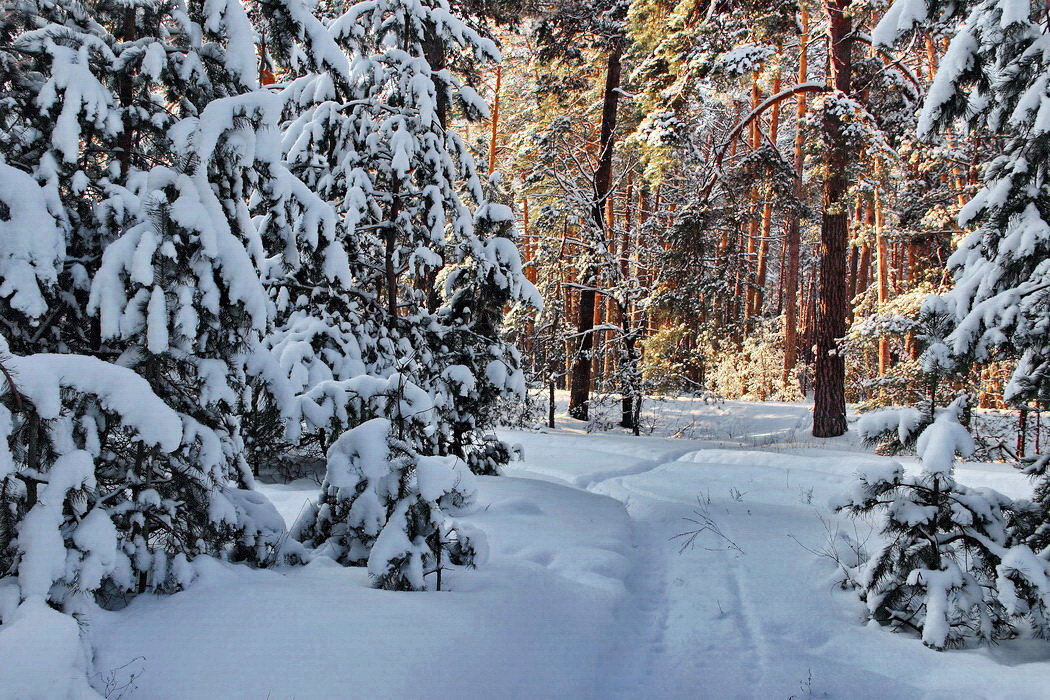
{"x":896,"y":429}
{"x":57,"y":124}
{"x":955,"y":562}
{"x":479,"y":368}
{"x":993,"y":79}
{"x":941,"y":542}
{"x":448,"y":256}
{"x":432,"y":262}
{"x":316,"y":335}
{"x":382,"y":503}
{"x":66,"y":421}
{"x":145,"y":128}
{"x":178,"y":292}
{"x":74,"y":526}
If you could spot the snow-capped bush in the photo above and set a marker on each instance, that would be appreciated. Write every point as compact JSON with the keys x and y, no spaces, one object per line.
{"x":756,"y":371}
{"x":384,"y":505}
{"x":948,"y":566}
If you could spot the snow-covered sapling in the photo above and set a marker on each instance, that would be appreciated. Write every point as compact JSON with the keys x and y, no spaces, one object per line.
{"x":940,"y":542}
{"x":895,"y":429}
{"x":385,"y":506}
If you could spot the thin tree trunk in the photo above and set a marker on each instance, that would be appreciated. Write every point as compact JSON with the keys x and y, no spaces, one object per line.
{"x":550,"y":403}
{"x":1022,"y":431}
{"x":864,"y":267}
{"x":792,"y":239}
{"x":494,"y":136}
{"x":753,"y":223}
{"x":882,"y":264}
{"x":767,"y":210}
{"x":390,"y":240}
{"x":434,"y":54}
{"x":125,"y":86}
{"x":851,"y":281}
{"x":627,"y":413}
{"x":580,"y":392}
{"x":529,"y":247}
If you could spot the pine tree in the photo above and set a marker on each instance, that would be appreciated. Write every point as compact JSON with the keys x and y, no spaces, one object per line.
{"x":432,"y":263}
{"x":178,"y":293}
{"x":417,"y":319}
{"x":955,"y":562}
{"x":153,"y":149}
{"x":382,"y":503}
{"x":317,"y":332}
{"x":58,"y":124}
{"x":941,"y":543}
{"x":992,"y":78}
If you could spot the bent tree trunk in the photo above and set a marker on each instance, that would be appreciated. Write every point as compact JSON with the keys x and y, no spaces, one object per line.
{"x":580,"y":388}
{"x":829,"y":399}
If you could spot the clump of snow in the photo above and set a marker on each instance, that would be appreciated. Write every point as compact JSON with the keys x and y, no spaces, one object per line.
{"x":901,"y":421}
{"x":43,"y":655}
{"x":29,"y":262}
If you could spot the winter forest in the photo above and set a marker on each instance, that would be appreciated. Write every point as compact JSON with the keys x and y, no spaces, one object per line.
{"x":485,"y":348}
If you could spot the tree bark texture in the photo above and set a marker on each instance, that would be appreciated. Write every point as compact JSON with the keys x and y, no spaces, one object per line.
{"x":829,"y":400}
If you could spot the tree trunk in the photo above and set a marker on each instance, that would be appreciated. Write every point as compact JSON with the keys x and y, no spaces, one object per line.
{"x":390,"y":274}
{"x":580,"y":392}
{"x":829,"y":406}
{"x":761,"y":270}
{"x":865,"y":264}
{"x":434,"y":54}
{"x":1022,"y":431}
{"x":882,"y":265}
{"x":851,"y":281}
{"x":750,"y":244}
{"x":550,"y":404}
{"x":791,"y":242}
{"x":628,"y":390}
{"x":125,"y":87}
{"x":494,"y":136}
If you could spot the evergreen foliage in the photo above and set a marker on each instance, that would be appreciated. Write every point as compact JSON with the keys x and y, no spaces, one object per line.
{"x":993,"y":77}
{"x":941,"y":542}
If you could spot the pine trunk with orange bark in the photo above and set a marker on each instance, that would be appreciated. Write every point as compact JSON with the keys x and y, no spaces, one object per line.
{"x":829,"y":399}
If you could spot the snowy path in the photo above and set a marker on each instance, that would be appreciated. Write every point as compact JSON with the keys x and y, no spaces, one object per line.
{"x":758,"y":618}
{"x":585,"y":594}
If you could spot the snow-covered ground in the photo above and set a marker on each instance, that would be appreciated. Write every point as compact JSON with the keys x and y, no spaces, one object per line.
{"x":586,"y":593}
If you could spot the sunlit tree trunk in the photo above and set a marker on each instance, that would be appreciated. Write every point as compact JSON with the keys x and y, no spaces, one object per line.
{"x":762,"y":268}
{"x":753,"y":224}
{"x":792,"y":239}
{"x":494,"y":136}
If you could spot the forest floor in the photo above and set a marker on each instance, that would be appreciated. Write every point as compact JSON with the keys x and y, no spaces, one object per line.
{"x":587,"y":592}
